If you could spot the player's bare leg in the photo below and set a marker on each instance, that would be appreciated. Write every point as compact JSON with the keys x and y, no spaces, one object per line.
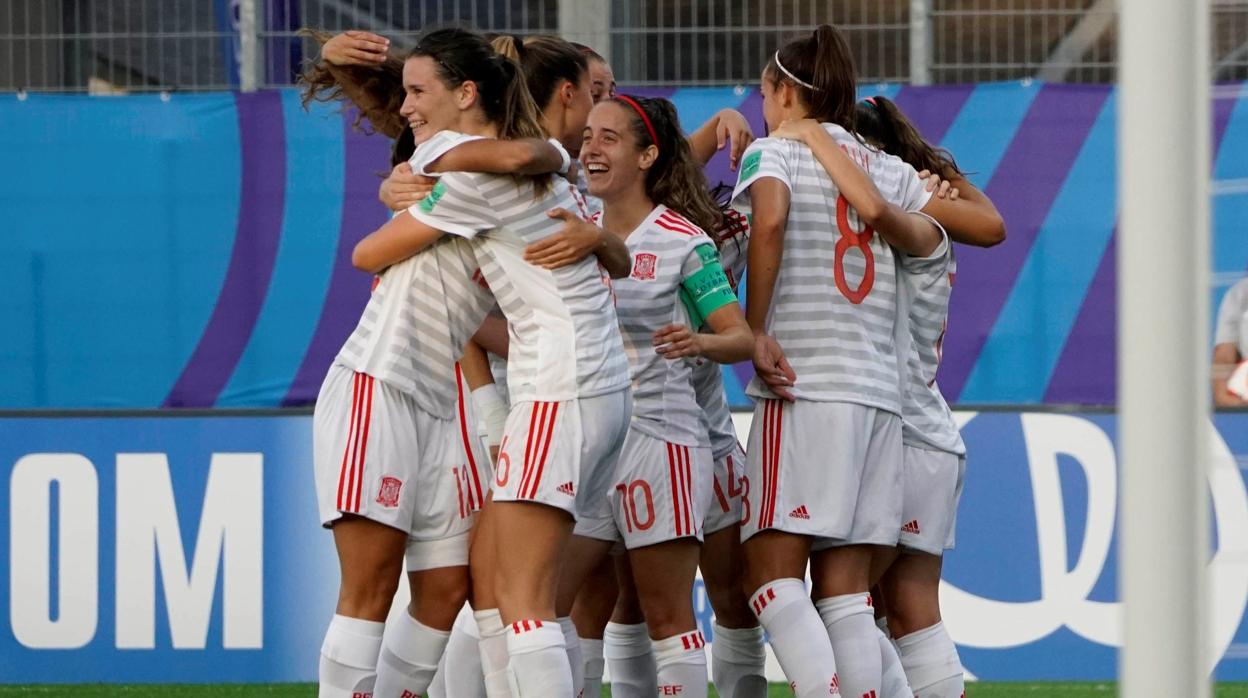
{"x":530,"y":541}
{"x":591,"y":611}
{"x":775,"y":573}
{"x":583,"y":556}
{"x":663,"y":574}
{"x":627,"y":645}
{"x":893,"y":675}
{"x":842,"y":580}
{"x":737,"y":654}
{"x":912,"y":591}
{"x":370,"y":557}
{"x":415,"y":641}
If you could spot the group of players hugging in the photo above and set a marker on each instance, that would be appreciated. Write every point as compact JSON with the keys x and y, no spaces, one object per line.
{"x":529,"y":417}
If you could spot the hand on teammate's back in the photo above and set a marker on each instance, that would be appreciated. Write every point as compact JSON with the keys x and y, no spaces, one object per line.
{"x":574,"y":241}
{"x":356,"y":48}
{"x":404,"y":189}
{"x":772,"y":367}
{"x":732,"y":129}
{"x":940,"y":187}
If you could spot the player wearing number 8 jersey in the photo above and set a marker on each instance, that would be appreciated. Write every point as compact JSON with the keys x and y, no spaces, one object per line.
{"x":824,"y":454}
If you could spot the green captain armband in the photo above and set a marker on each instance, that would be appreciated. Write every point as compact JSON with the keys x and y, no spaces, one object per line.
{"x":707,"y":289}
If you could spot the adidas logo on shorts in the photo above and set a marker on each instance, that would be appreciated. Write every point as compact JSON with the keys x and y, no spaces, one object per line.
{"x":566,"y":488}
{"x":912,"y":528}
{"x":800,"y":513}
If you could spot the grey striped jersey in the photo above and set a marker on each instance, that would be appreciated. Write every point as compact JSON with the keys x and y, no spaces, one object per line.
{"x":708,"y":380}
{"x":834,"y":308}
{"x":564,"y":337}
{"x":927,"y":282}
{"x":421,"y":312}
{"x":664,"y":248}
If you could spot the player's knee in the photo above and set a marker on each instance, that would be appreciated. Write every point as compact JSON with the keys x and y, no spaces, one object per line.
{"x":368,"y":598}
{"x":731,"y":605}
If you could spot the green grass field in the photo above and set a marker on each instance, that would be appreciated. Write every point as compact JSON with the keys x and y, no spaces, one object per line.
{"x":975,"y":690}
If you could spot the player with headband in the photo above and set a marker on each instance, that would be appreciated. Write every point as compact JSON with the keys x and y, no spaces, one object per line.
{"x":933,"y":452}
{"x":655,"y":199}
{"x":824,"y":454}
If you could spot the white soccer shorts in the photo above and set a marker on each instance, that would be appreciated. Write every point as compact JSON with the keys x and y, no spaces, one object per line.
{"x":562,"y":454}
{"x":727,"y":487}
{"x":380,"y":456}
{"x":933,"y":486}
{"x":662,"y":490}
{"x":830,"y":470}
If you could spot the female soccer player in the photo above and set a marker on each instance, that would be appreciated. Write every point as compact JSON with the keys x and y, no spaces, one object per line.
{"x":655,"y":198}
{"x":933,"y":453}
{"x":567,"y":375}
{"x":824,"y":455}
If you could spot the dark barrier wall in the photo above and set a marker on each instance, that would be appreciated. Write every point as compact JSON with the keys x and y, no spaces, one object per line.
{"x":188,"y":549}
{"x":194,"y":250}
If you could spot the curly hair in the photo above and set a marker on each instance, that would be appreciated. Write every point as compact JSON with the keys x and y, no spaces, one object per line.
{"x":376,"y":91}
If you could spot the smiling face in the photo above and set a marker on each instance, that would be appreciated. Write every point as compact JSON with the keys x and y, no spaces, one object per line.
{"x":429,"y":106}
{"x":613,"y":160}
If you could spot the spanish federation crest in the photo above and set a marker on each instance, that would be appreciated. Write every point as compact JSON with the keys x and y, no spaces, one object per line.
{"x":388,"y":495}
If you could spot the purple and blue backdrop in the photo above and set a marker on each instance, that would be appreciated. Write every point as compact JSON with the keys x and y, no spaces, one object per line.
{"x":195,"y":251}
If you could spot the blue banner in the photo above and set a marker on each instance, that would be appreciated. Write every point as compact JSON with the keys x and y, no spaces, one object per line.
{"x":187,"y":549}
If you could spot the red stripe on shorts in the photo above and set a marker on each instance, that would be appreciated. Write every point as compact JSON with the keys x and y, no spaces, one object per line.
{"x":368,"y":418}
{"x":475,"y":499}
{"x":346,"y":450}
{"x":545,"y":449}
{"x":671,"y":469}
{"x":528,"y":450}
{"x":775,"y":459}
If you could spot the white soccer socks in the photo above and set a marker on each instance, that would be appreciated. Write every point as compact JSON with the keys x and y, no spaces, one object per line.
{"x":681,"y":663}
{"x":538,"y":664}
{"x":349,"y":657}
{"x":409,"y":658}
{"x":634,"y":673}
{"x":459,"y":673}
{"x":738,"y":662}
{"x":893,"y":679}
{"x":850,"y":625}
{"x":591,"y":651}
{"x":572,"y":643}
{"x":493,"y":649}
{"x":931,"y":662}
{"x":798,"y":638}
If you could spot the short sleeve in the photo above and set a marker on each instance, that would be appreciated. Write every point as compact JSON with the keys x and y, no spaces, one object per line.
{"x":911,"y":193}
{"x":938,"y":259}
{"x":428,"y":152}
{"x":765,"y":157}
{"x":1231,"y":314}
{"x":455,"y":206}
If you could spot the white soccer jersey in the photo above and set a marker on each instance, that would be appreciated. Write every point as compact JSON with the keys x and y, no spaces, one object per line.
{"x":708,"y":382}
{"x":593,"y":205}
{"x":665,"y":252}
{"x":564,"y":337}
{"x":421,"y":313}
{"x":834,"y":310}
{"x":1232,"y":326}
{"x":927,"y":282}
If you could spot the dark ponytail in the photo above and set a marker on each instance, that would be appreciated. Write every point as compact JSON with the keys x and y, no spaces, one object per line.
{"x":464,"y":56}
{"x":675,"y":180}
{"x":821,"y":67}
{"x":883,"y":125}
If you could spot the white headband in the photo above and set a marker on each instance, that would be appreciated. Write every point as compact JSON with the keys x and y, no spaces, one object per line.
{"x":792,"y":77}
